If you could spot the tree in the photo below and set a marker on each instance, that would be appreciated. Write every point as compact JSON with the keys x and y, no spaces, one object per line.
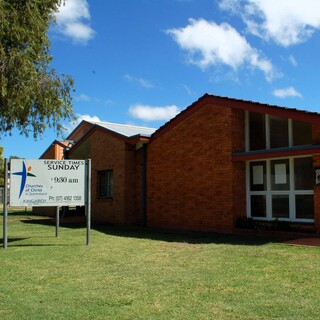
{"x":33,"y":96}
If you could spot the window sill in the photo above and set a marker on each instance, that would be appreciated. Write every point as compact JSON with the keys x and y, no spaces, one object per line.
{"x":285,"y":225}
{"x":105,"y":199}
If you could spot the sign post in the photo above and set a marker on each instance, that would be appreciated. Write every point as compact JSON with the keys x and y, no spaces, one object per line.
{"x":48,"y":183}
{"x":5,"y":205}
{"x":57,"y":222}
{"x":88,"y":200}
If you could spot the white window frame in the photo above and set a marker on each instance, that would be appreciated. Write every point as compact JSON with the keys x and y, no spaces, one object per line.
{"x":267,"y":132}
{"x":269,"y":193}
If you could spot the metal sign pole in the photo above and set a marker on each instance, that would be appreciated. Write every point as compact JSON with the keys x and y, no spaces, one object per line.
{"x":5,"y":205}
{"x":57,"y":222}
{"x":88,"y":199}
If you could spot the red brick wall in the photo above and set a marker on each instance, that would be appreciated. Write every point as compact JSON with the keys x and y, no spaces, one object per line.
{"x":110,"y":153}
{"x":132,"y":171}
{"x":315,"y":134}
{"x":238,"y":168}
{"x":50,"y":153}
{"x":55,"y":151}
{"x":190,"y":175}
{"x":80,"y":131}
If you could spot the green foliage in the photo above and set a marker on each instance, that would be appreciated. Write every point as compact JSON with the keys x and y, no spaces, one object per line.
{"x":33,"y":96}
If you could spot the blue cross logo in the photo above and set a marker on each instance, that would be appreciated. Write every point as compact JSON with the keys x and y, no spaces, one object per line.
{"x":24,"y":173}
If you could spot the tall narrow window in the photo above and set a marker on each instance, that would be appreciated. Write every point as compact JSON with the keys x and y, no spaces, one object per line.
{"x":105,"y":184}
{"x":280,"y":179}
{"x":257,"y":131}
{"x":303,"y":174}
{"x":302,"y":133}
{"x":258,"y":181}
{"x":279,"y":134}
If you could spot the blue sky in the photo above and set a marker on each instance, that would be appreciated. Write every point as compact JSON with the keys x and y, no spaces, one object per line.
{"x":141,"y":62}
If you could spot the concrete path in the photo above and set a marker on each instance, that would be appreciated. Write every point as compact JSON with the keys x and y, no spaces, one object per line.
{"x":308,"y":242}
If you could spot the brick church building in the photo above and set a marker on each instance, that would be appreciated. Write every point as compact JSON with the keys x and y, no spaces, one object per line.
{"x":216,"y":161}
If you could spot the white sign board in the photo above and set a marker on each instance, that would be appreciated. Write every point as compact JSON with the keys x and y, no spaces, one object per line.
{"x":47,"y":182}
{"x":280,"y":171}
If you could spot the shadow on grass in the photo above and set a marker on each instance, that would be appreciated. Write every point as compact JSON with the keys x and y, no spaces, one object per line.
{"x":11,"y":240}
{"x":45,"y":221}
{"x":45,"y":245}
{"x":64,"y":222}
{"x":38,"y":245}
{"x":182,"y":236}
{"x":17,"y":213}
{"x":157,"y":234}
{"x":12,"y":243}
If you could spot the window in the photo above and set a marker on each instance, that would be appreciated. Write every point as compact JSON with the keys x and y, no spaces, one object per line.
{"x":258,"y":206}
{"x":279,"y":135}
{"x":303,"y":173}
{"x":105,"y":184}
{"x":257,"y":131}
{"x":280,"y":206}
{"x":264,"y":132}
{"x":281,"y":189}
{"x":280,"y":179}
{"x":304,"y":206}
{"x":258,"y":180}
{"x":302,"y":133}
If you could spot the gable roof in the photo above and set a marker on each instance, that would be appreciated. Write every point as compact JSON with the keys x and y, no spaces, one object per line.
{"x":246,"y":105}
{"x":62,"y":144}
{"x":127,"y":133}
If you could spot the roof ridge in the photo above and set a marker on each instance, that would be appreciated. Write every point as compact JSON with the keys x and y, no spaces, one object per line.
{"x":260,"y":103}
{"x":120,"y":124}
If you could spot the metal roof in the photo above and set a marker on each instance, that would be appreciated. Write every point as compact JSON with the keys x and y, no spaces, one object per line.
{"x":126,"y":130}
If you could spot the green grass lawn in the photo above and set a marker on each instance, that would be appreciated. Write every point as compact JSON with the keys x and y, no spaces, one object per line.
{"x":132,"y":273}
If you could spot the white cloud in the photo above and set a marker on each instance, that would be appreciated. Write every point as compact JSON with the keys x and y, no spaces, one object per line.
{"x":87,"y":117}
{"x":153,"y":113}
{"x":287,"y":92}
{"x":189,"y":91}
{"x":140,"y":81}
{"x":210,"y":44}
{"x":109,"y":102}
{"x":220,"y":76}
{"x":78,"y":31}
{"x":73,"y":20}
{"x":82,"y":97}
{"x":293,"y":60}
{"x":80,"y":117}
{"x":86,"y":98}
{"x":287,"y":22}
